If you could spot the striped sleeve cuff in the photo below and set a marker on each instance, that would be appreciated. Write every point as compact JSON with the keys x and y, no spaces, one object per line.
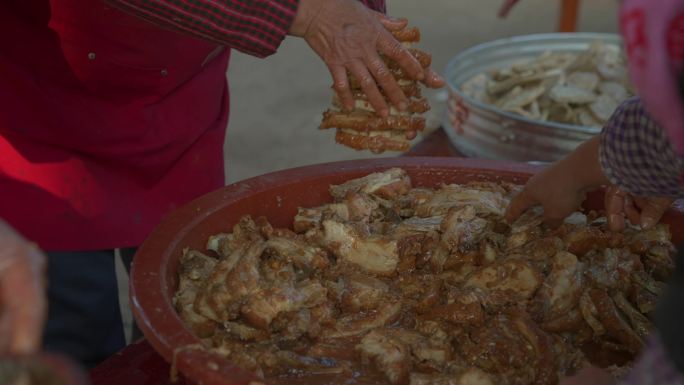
{"x":636,"y":154}
{"x":254,"y":27}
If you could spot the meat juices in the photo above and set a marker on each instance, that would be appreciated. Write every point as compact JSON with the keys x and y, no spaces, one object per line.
{"x":396,"y":284}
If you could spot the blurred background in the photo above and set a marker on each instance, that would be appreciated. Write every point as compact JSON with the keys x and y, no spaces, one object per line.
{"x":277,"y":102}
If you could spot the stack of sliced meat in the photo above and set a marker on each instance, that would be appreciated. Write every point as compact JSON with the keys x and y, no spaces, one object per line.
{"x":363,"y":129}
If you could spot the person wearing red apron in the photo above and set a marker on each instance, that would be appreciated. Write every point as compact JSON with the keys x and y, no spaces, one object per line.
{"x":114,"y":113}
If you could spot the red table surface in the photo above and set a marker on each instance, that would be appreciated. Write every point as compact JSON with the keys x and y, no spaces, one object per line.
{"x":139,"y":363}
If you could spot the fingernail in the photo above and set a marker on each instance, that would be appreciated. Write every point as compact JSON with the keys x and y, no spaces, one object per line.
{"x":647,"y":223}
{"x":614,"y":218}
{"x":384,"y":113}
{"x":402,"y":106}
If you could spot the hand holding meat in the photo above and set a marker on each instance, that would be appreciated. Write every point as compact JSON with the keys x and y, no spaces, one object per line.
{"x":350,"y":39}
{"x":640,"y":211}
{"x":560,"y":189}
{"x":22,"y":293}
{"x":368,"y":50}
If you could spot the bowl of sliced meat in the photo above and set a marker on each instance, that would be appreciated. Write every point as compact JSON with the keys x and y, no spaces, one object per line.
{"x":534,"y":97}
{"x":394,"y":271}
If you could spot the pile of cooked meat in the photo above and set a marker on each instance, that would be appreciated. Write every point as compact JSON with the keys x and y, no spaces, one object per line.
{"x":397,"y":284}
{"x":583,"y":88}
{"x":363,"y":129}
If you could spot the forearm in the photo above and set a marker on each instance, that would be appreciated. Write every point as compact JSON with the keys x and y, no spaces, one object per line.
{"x":254,"y":27}
{"x":583,"y":166}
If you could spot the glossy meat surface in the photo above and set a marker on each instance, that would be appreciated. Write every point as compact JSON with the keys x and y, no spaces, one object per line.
{"x":396,"y":284}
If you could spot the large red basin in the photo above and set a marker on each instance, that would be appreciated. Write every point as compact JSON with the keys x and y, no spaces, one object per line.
{"x":277,"y":197}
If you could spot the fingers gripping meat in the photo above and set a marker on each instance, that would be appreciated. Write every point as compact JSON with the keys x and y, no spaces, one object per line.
{"x":364,"y":128}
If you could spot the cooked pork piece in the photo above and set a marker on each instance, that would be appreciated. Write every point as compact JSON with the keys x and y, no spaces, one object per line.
{"x":221,"y":243}
{"x":264,"y":305}
{"x":244,"y":332}
{"x":562,"y":288}
{"x":233,"y":279}
{"x":462,"y":229}
{"x":363,"y":292}
{"x":483,"y":201}
{"x":498,"y":347}
{"x":387,"y":184}
{"x":298,"y":252}
{"x":469,"y":376}
{"x":373,"y":254}
{"x":515,"y":275}
{"x":389,"y":353}
{"x":613,"y":321}
{"x":352,"y":325}
{"x":194,"y":267}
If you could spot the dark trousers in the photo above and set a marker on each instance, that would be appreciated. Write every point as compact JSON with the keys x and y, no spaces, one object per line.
{"x":84,"y":316}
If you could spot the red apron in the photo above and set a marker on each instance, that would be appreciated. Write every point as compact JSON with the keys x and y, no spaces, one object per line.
{"x":107,"y":123}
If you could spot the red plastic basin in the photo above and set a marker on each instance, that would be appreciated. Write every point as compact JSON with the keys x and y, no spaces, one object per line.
{"x":277,"y":197}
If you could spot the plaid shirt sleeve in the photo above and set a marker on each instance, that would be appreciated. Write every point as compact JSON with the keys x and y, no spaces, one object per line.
{"x":653,"y":366}
{"x":255,"y":27}
{"x":636,"y":155}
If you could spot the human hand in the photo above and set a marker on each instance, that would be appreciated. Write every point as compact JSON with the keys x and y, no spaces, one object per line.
{"x":506,"y":7}
{"x":561,"y":188}
{"x":350,"y":38}
{"x":22,"y":293}
{"x":640,"y":211}
{"x":590,"y":376}
{"x":554,"y":190}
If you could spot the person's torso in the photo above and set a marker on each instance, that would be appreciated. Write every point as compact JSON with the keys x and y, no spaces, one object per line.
{"x":103,"y":116}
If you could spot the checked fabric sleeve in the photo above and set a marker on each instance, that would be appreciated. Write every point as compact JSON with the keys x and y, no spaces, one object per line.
{"x":636,"y":154}
{"x":653,"y":366}
{"x":255,"y":27}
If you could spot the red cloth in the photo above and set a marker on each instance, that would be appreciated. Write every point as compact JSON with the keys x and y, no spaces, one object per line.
{"x":109,"y":122}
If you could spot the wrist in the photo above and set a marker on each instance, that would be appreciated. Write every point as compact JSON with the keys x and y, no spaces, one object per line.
{"x":584,"y":167}
{"x":307,"y":10}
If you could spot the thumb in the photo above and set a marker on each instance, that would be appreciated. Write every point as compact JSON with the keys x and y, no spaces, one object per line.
{"x":652,"y":210}
{"x":391,"y":23}
{"x":519,"y":204}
